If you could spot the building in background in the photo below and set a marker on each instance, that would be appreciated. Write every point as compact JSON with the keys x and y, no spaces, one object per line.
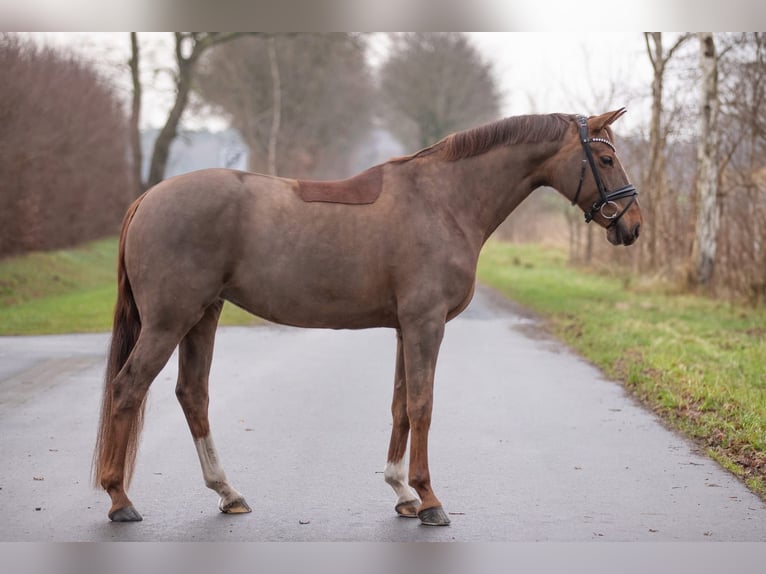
{"x":193,"y":150}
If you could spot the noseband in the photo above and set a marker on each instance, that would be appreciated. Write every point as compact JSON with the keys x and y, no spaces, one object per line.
{"x":606,"y":199}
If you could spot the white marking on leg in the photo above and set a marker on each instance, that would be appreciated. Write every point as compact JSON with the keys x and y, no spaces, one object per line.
{"x":395,"y":475}
{"x":212,"y":472}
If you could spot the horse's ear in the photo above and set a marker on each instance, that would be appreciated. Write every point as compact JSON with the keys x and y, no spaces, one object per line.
{"x":598,"y":123}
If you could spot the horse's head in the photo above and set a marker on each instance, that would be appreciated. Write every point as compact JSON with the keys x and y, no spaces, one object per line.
{"x":588,"y":172}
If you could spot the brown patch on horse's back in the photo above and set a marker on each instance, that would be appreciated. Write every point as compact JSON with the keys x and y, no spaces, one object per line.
{"x":360,"y":189}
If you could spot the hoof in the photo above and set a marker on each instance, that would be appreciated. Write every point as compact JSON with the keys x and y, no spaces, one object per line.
{"x":434,"y":516}
{"x":125,"y":514}
{"x":238,"y":506}
{"x":408,"y":509}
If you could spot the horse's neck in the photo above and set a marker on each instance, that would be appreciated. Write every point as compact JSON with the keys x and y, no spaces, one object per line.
{"x":486,"y":188}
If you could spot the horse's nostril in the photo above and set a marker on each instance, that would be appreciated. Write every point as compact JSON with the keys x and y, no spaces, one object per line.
{"x":637,"y":230}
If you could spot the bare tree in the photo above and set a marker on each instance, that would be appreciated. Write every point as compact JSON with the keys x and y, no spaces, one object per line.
{"x":276,"y":108}
{"x":135,"y":114}
{"x":304,"y":103}
{"x":189,"y":48}
{"x":708,"y":210}
{"x":655,"y":177}
{"x":433,"y":84}
{"x":741,"y":245}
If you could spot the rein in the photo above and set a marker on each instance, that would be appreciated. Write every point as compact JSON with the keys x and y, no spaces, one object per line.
{"x":605,"y":198}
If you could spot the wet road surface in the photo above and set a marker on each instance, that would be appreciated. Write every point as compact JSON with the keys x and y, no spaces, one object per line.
{"x":528,"y":443}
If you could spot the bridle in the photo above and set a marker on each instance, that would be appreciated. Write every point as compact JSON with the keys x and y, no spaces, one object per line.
{"x":606,"y":199}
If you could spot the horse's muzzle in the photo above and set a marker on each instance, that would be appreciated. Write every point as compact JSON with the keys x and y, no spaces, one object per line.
{"x":624,"y":233}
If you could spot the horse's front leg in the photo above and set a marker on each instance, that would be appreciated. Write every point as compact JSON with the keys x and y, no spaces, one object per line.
{"x":407,"y":501}
{"x":195,"y":358}
{"x":421,"y":339}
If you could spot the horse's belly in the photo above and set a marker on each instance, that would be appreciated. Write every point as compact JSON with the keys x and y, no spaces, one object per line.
{"x":306,"y":305}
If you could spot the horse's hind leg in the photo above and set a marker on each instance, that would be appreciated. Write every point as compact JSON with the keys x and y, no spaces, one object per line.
{"x":128,"y":393}
{"x":407,"y":501}
{"x":195,"y":357}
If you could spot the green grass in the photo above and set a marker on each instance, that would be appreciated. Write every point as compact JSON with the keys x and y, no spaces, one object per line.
{"x":699,"y":363}
{"x":68,"y":291}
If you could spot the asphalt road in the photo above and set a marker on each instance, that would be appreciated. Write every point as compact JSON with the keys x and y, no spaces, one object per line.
{"x":528,"y":443}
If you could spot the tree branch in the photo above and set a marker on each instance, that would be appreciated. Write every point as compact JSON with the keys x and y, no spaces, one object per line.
{"x":649,"y":50}
{"x":678,"y":44}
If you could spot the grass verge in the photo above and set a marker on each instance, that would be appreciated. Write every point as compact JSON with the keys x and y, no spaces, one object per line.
{"x":699,"y":363}
{"x":69,"y":291}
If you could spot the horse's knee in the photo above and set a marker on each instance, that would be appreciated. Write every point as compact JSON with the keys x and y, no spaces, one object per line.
{"x":188,"y":394}
{"x":401,"y":422}
{"x":182,"y":393}
{"x":419,"y":415}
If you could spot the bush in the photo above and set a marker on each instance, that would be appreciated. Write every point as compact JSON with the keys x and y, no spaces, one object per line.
{"x":64,"y":164}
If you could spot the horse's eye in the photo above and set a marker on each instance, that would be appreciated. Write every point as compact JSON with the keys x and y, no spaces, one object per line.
{"x":606,"y":160}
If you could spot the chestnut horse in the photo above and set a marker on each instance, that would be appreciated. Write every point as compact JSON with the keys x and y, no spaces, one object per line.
{"x":396,"y":246}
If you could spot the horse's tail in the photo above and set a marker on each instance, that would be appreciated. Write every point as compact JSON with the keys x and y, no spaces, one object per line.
{"x":125,"y":331}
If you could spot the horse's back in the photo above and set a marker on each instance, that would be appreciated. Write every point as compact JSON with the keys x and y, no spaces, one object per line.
{"x":251,"y":239}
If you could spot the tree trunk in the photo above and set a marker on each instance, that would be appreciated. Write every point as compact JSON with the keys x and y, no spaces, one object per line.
{"x":276,"y":115}
{"x":708,"y":206}
{"x":135,"y":116}
{"x":170,"y":129}
{"x":655,"y":183}
{"x":198,"y":43}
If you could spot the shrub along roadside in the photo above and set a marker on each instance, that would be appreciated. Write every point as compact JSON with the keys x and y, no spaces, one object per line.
{"x":65,"y":174}
{"x":700,"y":364}
{"x":68,"y":291}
